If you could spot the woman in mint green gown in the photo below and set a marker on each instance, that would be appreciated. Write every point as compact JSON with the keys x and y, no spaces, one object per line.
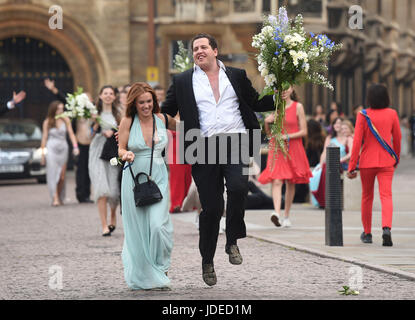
{"x":148,"y":231}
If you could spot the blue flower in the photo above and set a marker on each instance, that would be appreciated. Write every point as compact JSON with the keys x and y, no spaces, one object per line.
{"x":314,"y":43}
{"x":277,"y":53}
{"x":312,"y":35}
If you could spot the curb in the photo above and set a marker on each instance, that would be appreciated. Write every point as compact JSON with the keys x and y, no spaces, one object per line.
{"x":388,"y":270}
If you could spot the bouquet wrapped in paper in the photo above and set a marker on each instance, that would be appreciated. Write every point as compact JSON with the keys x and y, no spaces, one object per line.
{"x":288,"y":56}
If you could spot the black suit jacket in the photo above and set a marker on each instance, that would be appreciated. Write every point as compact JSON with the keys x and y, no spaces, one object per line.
{"x":180,"y":97}
{"x":3,"y":109}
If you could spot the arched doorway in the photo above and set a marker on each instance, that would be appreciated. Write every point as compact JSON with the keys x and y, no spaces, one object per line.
{"x":24,"y":64}
{"x":81,"y":51}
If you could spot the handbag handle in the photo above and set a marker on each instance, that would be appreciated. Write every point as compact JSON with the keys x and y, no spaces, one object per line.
{"x":152,"y":145}
{"x":151,"y":161}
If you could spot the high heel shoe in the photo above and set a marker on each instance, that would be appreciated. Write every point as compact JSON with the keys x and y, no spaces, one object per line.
{"x":111,"y":227}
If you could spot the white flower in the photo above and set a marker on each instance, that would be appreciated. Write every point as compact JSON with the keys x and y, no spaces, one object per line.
{"x":82,"y":100}
{"x":267,"y":31}
{"x":114,"y":161}
{"x":264,"y":72}
{"x":270,"y":79}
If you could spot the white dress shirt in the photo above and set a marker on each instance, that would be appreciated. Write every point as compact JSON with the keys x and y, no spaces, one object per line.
{"x":10,"y":104}
{"x":221,"y":117}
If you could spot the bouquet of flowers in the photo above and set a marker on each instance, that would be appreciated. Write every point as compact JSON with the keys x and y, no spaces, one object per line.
{"x":183,"y":59}
{"x":79,"y":106}
{"x":288,"y":56}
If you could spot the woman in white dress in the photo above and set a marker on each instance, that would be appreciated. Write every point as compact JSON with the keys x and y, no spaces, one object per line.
{"x":104,"y":177}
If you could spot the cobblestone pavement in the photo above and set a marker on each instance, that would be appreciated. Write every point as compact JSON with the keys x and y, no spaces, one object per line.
{"x":36,"y":237}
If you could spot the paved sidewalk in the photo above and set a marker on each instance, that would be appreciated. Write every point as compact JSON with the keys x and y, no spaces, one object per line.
{"x":36,"y":237}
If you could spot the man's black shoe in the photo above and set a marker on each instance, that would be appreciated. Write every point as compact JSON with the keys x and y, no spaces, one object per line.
{"x":387,"y":237}
{"x":366,"y":237}
{"x":234,"y":255}
{"x":209,"y":275}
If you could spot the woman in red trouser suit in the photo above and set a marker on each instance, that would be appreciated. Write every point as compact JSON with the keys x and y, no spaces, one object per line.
{"x":374,"y":160}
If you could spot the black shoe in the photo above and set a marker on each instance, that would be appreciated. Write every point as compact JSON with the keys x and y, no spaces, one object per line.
{"x":366,"y":237}
{"x":209,"y":275}
{"x":111,"y":227}
{"x":107,"y":234}
{"x":234,"y":255}
{"x":275,"y":220}
{"x":387,"y":237}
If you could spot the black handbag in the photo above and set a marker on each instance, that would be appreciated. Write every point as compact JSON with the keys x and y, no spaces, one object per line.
{"x":148,"y":192}
{"x":110,"y":149}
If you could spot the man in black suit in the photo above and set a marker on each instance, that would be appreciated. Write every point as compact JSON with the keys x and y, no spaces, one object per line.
{"x":216,"y":100}
{"x":17,"y":98}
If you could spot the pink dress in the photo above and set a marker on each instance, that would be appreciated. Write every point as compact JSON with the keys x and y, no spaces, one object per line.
{"x":294,"y":167}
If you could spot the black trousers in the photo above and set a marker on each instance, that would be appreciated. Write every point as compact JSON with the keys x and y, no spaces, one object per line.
{"x":83,"y":183}
{"x":257,"y":199}
{"x":210,"y":180}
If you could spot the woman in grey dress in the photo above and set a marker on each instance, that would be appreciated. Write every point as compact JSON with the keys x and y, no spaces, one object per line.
{"x":56,"y":155}
{"x":104,"y":177}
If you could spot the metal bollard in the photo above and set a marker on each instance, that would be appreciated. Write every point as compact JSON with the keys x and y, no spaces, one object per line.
{"x":334,"y":198}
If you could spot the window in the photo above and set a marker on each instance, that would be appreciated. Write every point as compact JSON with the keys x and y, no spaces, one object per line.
{"x":244,"y":5}
{"x":308,"y":8}
{"x":174,"y":49}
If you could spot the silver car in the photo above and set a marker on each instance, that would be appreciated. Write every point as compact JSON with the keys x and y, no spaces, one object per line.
{"x":20,"y":152}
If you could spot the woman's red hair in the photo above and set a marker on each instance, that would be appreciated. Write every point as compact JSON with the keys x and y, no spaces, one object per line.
{"x":136,"y":90}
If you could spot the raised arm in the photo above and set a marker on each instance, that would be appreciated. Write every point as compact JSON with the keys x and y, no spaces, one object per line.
{"x":50,"y":84}
{"x":123,"y":135}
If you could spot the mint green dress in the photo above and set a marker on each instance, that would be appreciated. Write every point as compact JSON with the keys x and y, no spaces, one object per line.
{"x":148,"y":231}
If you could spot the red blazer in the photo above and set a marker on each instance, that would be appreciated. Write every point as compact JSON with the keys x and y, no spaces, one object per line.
{"x":372,"y":154}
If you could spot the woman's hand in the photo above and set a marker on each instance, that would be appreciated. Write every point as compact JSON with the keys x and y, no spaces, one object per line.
{"x":116,"y":136}
{"x":270,"y":118}
{"x":108,"y":133}
{"x":75,"y":151}
{"x":128,"y":156}
{"x":352,"y":174}
{"x":43,"y":160}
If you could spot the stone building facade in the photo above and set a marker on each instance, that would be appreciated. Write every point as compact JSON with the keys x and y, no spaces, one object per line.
{"x":108,"y":42}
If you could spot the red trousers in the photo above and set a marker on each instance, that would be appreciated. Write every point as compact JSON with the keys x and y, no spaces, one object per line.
{"x":180,"y":180}
{"x":367,"y":177}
